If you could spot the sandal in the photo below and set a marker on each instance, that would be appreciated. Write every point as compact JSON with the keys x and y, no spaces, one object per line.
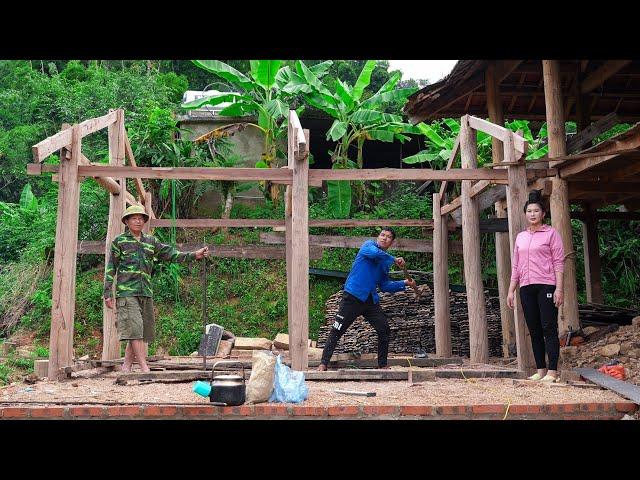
{"x":535,"y":376}
{"x":550,"y":379}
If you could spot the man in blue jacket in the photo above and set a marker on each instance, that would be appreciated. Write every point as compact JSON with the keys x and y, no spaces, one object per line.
{"x":370,"y":269}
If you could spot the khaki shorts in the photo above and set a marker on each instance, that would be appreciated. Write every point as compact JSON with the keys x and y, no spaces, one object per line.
{"x":135,"y":318}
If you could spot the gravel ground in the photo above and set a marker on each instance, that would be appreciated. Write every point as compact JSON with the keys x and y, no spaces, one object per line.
{"x":96,"y":386}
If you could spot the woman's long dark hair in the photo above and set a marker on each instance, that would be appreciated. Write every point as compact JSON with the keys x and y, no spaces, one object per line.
{"x":535,"y":197}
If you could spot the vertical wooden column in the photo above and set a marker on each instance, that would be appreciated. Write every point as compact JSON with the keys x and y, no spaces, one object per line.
{"x":516,"y":198}
{"x":64,"y":263}
{"x":478,"y":334}
{"x":299,"y":299}
{"x":441,"y":281}
{"x":560,"y":212}
{"x":592,"y":273}
{"x":149,"y":209}
{"x":503,"y":252}
{"x":110,"y":342}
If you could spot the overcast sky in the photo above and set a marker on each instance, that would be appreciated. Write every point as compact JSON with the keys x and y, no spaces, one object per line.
{"x":433,"y":70}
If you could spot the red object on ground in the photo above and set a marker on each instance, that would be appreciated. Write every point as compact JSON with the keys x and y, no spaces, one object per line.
{"x":615,"y":371}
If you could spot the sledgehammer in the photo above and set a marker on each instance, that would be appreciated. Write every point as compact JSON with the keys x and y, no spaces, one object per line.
{"x":415,"y":288}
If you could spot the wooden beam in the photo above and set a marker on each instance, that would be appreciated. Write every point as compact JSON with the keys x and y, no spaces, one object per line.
{"x":503,"y":259}
{"x":110,"y":339}
{"x":132,"y":161}
{"x":64,"y":263}
{"x":516,"y":198}
{"x":257,"y":222}
{"x":299,"y":300}
{"x":585,"y":136}
{"x":603,"y":187}
{"x":624,"y":389}
{"x":592,"y":269}
{"x":478,"y":333}
{"x":496,"y":131}
{"x":603,"y":155}
{"x":452,"y":157}
{"x":61,"y":139}
{"x":628,"y":216}
{"x":599,"y":76}
{"x":329,"y":241}
{"x":190,"y":173}
{"x":560,"y":216}
{"x":265,"y":252}
{"x":408,"y":174}
{"x":441,"y":281}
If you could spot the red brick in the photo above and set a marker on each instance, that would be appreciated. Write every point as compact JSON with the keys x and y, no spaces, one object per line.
{"x":242,"y":410}
{"x":521,"y":409}
{"x":123,"y":411}
{"x":626,"y":407}
{"x":380,"y":410}
{"x":593,"y":407}
{"x":159,"y":411}
{"x":199,"y":411}
{"x":452,"y":410}
{"x":555,"y":408}
{"x":47,"y":412}
{"x":86,"y":411}
{"x":299,"y":410}
{"x":15,"y":412}
{"x":344,"y":410}
{"x":480,"y":409}
{"x":420,"y":410}
{"x":271,"y":410}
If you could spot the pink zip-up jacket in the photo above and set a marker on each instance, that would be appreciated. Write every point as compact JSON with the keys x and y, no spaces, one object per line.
{"x":537,"y":256}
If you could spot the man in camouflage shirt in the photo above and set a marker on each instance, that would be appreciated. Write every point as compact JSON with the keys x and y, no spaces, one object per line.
{"x":131,"y":260}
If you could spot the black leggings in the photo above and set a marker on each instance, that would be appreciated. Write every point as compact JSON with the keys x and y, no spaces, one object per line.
{"x":350,"y":309}
{"x":541,"y":316}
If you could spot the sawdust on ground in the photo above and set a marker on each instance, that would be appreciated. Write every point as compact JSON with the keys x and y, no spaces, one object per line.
{"x":95,"y":386}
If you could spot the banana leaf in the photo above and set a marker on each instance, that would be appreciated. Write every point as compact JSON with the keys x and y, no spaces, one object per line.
{"x":363,"y":79}
{"x":421,"y":157}
{"x":381,"y":135}
{"x":390,"y":84}
{"x":311,"y":78}
{"x":344,"y":92}
{"x":321,"y":69}
{"x":431,"y":134}
{"x":364,"y":116}
{"x":319,"y":101}
{"x":276,"y":108}
{"x":453,"y":125}
{"x":398,"y":95}
{"x":337,"y":130}
{"x":264,"y":72}
{"x":539,"y":153}
{"x":261,"y":164}
{"x":216,"y":100}
{"x":339,"y":195}
{"x":227,"y":72}
{"x":233,"y":110}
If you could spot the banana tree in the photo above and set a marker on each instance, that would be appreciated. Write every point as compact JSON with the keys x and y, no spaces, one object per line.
{"x":266,"y":93}
{"x":356,"y":119}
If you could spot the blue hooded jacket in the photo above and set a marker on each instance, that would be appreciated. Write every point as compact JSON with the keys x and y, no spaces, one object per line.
{"x":370,"y":269}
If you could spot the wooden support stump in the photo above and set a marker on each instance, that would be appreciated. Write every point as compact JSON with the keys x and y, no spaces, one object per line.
{"x":41,"y":368}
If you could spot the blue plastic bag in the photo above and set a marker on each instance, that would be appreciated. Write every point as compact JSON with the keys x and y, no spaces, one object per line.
{"x":289,"y":386}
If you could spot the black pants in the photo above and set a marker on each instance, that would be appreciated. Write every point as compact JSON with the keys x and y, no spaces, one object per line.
{"x":541,"y":316}
{"x":350,"y":309}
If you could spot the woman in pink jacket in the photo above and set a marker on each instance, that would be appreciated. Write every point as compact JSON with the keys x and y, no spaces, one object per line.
{"x":537,"y":266}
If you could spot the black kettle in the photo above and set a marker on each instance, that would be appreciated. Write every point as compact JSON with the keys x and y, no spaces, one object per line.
{"x":228,"y":389}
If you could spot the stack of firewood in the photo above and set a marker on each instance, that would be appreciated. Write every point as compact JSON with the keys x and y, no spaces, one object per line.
{"x":412,"y":324}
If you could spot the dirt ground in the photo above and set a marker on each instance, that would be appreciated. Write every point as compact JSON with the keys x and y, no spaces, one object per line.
{"x":93,"y":386}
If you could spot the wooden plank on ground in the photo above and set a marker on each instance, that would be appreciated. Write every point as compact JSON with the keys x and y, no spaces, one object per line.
{"x":622,"y":388}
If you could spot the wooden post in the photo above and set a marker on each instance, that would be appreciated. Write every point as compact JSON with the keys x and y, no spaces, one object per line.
{"x":503,"y":252}
{"x":516,"y":198}
{"x":149,"y":209}
{"x":41,"y":368}
{"x":441,"y":281}
{"x":478,"y":334}
{"x":560,"y":215}
{"x":299,"y":298}
{"x":64,"y":264}
{"x":592,"y":274}
{"x":110,"y":342}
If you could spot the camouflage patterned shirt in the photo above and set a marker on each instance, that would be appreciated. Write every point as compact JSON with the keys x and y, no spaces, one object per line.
{"x":132,"y":261}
